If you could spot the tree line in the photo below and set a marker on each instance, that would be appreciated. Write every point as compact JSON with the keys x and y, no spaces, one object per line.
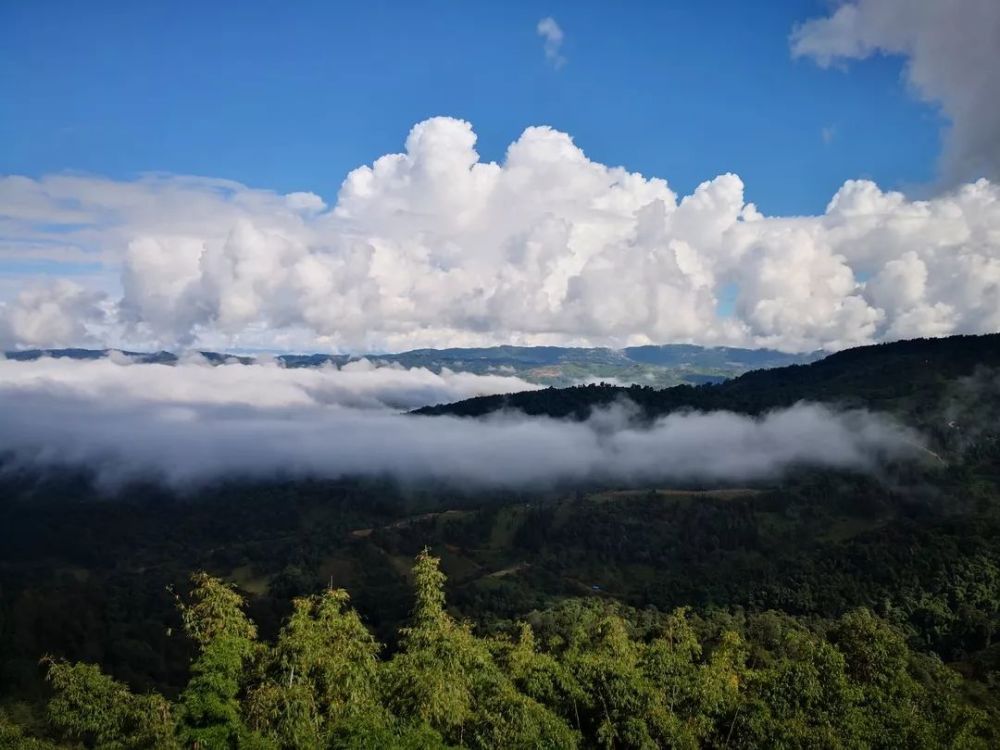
{"x":585,"y":673}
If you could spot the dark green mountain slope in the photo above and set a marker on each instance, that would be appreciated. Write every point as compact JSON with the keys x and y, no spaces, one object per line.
{"x":914,"y":378}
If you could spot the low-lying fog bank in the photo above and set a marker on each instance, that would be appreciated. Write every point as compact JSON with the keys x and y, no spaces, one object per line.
{"x":195,"y":423}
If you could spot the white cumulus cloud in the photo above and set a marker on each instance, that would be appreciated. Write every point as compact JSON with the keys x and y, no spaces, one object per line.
{"x":434,"y":246}
{"x":56,"y":314}
{"x":952,"y":49}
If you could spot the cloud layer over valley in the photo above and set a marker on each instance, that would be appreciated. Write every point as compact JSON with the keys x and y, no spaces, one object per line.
{"x":194,"y":423}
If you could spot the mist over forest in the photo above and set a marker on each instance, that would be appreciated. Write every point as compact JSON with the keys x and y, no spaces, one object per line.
{"x":193,"y":422}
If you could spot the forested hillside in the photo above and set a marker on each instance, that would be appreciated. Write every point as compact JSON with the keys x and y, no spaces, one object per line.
{"x":582,"y":674}
{"x":916,"y":378}
{"x":825,"y":608}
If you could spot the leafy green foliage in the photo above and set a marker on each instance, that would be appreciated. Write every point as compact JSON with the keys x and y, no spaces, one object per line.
{"x":588,"y":674}
{"x":14,"y":737}
{"x":209,"y":711}
{"x":447,"y":678}
{"x":321,"y":674}
{"x":94,"y":709}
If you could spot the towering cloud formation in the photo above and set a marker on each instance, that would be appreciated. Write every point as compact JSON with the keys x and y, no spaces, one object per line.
{"x":56,"y":314}
{"x":434,"y":247}
{"x":953,"y":59}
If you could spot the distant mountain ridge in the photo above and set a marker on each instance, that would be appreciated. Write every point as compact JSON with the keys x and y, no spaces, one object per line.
{"x":665,"y":365}
{"x":918,"y":378}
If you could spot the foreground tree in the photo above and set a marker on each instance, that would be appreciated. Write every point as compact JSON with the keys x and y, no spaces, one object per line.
{"x":593,"y":675}
{"x":91,"y":708}
{"x":447,"y":678}
{"x":13,"y":737}
{"x":323,"y":673}
{"x":210,"y":714}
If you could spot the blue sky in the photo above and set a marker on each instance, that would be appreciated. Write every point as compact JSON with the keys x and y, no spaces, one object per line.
{"x":292,"y":95}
